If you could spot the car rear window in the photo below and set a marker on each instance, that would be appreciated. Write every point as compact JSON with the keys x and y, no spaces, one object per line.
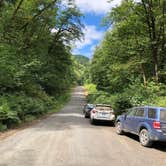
{"x":104,"y":108}
{"x":163,"y":114}
{"x":89,"y":106}
{"x":152,"y":113}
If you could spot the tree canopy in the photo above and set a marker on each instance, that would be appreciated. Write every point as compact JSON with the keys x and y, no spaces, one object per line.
{"x":130,"y":61}
{"x":36,"y":65}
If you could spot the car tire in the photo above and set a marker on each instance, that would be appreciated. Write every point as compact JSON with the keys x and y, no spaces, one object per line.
{"x":86,"y":116}
{"x":112,"y":123}
{"x":119,"y":130}
{"x":92,"y":121}
{"x":145,"y":138}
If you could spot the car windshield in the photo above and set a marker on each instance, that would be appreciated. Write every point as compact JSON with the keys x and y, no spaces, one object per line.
{"x":90,"y":106}
{"x":163,"y":114}
{"x":104,"y":108}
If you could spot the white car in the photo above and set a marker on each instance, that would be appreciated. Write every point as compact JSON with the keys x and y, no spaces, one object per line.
{"x":102,"y":112}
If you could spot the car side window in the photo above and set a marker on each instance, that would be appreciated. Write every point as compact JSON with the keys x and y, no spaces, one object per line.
{"x":140,"y":112}
{"x":152,"y":113}
{"x":132,"y":112}
{"x":163,"y":115}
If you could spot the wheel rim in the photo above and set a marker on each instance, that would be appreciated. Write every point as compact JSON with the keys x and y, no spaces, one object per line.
{"x":144,"y":137}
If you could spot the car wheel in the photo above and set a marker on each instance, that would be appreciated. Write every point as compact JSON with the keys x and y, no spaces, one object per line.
{"x":112,"y":123}
{"x":92,"y":121}
{"x":119,"y":128}
{"x":86,"y":116}
{"x":144,"y":138}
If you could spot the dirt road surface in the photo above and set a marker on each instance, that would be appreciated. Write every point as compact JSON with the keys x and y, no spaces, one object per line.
{"x":68,"y":139}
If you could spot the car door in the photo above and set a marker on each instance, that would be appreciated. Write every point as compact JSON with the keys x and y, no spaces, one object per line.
{"x":129,"y":120}
{"x":139,"y":117}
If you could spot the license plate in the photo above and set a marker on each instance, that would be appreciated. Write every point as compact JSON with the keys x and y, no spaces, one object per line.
{"x":103,"y":115}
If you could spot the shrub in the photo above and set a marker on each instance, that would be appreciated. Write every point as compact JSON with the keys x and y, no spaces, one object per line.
{"x":8,"y":116}
{"x":91,"y":88}
{"x":135,"y":95}
{"x":18,"y":107}
{"x":29,"y":118}
{"x":3,"y":127}
{"x":160,"y":101}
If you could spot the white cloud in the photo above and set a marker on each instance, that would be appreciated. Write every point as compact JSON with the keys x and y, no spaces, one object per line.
{"x":91,"y":34}
{"x":53,"y":30}
{"x":76,"y":52}
{"x":93,"y":47}
{"x":96,"y":6}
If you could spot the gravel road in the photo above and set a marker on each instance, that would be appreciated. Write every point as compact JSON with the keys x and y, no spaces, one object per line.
{"x":68,"y":139}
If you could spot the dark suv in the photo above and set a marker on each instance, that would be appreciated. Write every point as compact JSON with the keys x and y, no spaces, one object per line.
{"x":149,"y":123}
{"x":87,"y":109}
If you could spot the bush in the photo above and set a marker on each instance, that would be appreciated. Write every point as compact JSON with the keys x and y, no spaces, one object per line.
{"x":160,"y":101}
{"x":29,"y":118}
{"x":3,"y":127}
{"x":91,"y":88}
{"x":8,"y":116}
{"x":135,"y":95}
{"x":17,"y":108}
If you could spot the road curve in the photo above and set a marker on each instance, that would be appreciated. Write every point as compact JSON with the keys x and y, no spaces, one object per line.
{"x":68,"y":139}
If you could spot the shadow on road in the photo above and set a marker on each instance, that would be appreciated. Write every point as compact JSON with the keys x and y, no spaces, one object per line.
{"x":104,"y":123}
{"x":67,"y":121}
{"x":157,"y":145}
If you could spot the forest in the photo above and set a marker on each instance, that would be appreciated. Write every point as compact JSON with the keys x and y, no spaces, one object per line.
{"x":128,"y":67}
{"x":37,"y":69}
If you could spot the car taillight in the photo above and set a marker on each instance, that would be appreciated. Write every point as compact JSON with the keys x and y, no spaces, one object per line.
{"x":156,"y":125}
{"x":93,"y":111}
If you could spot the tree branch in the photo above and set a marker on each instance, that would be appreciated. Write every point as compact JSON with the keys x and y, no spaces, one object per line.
{"x":17,"y":8}
{"x":38,"y":14}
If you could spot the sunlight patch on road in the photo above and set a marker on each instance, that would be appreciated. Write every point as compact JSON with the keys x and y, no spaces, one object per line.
{"x":69,"y":114}
{"x":78,"y":93}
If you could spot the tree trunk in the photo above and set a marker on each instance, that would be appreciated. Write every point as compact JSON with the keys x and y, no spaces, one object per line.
{"x":151,"y":23}
{"x":143,"y":74}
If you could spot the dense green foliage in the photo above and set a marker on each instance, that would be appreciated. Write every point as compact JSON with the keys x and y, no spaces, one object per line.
{"x":129,"y":66}
{"x":36,"y":66}
{"x":81,"y":64}
{"x":82,"y":60}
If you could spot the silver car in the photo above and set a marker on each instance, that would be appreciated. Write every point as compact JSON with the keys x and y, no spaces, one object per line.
{"x":102,"y":112}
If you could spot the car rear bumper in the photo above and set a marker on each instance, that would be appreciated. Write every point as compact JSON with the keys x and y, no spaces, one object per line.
{"x":104,"y":119}
{"x":158,"y":135}
{"x":98,"y":116}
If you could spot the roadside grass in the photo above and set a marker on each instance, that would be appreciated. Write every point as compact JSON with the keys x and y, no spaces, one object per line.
{"x":61,"y":102}
{"x":29,"y":119}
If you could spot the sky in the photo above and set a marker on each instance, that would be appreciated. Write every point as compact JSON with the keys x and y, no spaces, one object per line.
{"x":94,"y":11}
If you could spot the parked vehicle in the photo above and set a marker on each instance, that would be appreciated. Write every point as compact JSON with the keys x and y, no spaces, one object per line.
{"x":87,"y":109}
{"x":149,"y":123}
{"x":102,"y":112}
